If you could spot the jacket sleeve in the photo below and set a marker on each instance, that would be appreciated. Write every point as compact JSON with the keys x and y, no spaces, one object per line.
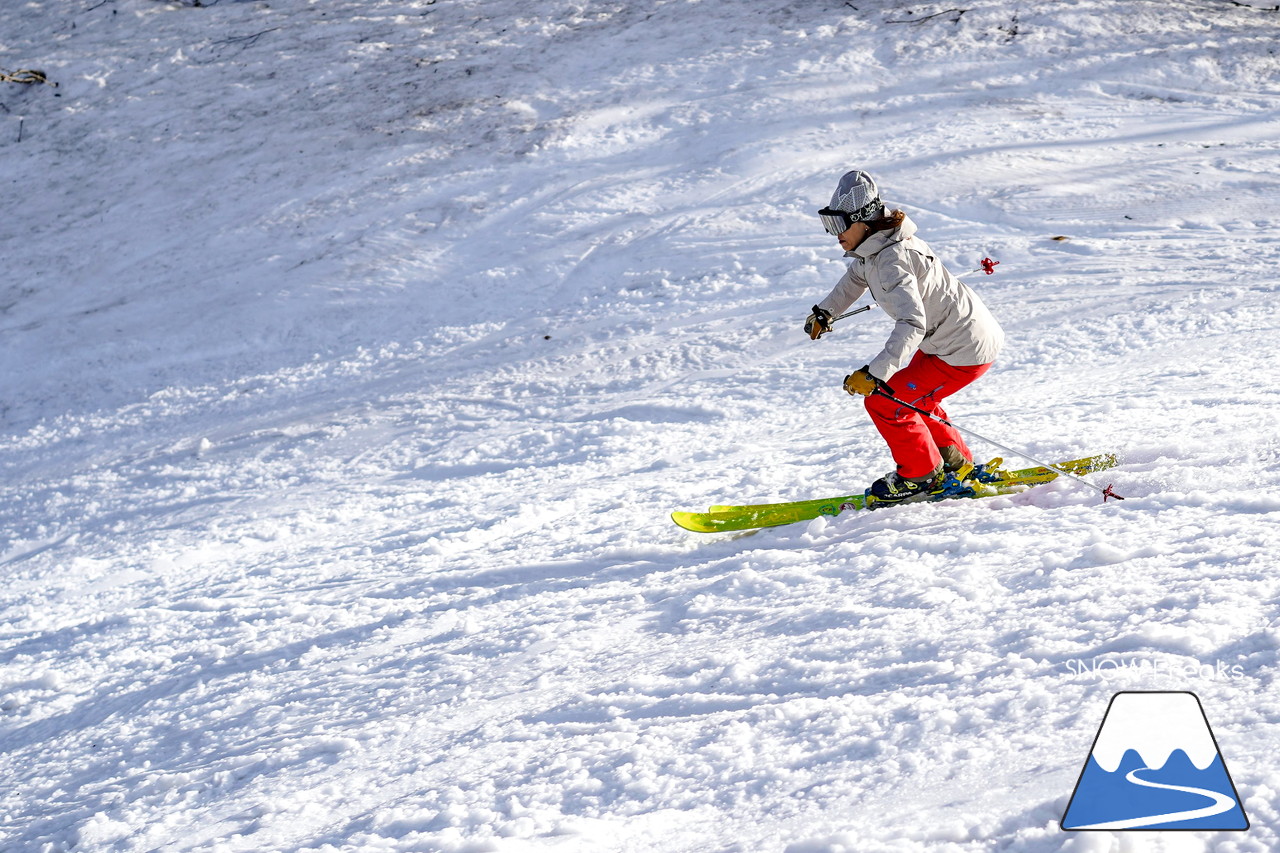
{"x":844,"y":294}
{"x":901,"y":301}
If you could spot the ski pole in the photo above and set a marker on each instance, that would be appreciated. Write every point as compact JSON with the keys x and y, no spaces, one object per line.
{"x":851,"y":313}
{"x":1106,"y":493}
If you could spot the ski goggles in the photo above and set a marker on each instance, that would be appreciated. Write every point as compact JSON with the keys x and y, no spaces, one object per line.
{"x":836,"y":222}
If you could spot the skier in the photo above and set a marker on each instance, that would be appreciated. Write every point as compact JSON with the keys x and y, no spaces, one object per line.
{"x":943,"y":336}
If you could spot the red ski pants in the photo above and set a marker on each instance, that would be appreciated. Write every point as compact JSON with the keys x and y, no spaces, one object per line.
{"x":912,"y":438}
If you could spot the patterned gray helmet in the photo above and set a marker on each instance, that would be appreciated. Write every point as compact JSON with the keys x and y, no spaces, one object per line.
{"x":858,"y":196}
{"x":856,"y":199}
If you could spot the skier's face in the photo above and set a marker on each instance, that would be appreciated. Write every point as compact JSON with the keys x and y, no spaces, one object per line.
{"x":853,"y":236}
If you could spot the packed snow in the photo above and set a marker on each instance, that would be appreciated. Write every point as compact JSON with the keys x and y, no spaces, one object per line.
{"x":355,"y":354}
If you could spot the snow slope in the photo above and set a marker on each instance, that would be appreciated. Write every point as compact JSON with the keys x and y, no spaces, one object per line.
{"x":355,"y":353}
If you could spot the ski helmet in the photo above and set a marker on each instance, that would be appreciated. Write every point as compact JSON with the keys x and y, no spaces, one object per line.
{"x":858,"y":196}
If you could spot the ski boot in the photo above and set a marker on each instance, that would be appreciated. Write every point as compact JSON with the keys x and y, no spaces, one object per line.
{"x":893,"y":488}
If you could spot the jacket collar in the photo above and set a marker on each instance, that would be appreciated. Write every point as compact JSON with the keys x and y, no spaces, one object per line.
{"x":882,"y":239}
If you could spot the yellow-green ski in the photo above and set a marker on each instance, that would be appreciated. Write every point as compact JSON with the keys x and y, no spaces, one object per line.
{"x":986,"y":481}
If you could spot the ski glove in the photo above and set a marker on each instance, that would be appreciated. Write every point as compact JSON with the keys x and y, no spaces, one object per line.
{"x":862,"y":382}
{"x":818,"y":323}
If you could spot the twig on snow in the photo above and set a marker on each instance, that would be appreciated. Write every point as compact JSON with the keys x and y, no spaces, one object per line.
{"x":958,"y":13}
{"x":249,"y":41}
{"x":27,"y":77}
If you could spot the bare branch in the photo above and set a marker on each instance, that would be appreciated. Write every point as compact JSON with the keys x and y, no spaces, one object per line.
{"x":958,"y":13}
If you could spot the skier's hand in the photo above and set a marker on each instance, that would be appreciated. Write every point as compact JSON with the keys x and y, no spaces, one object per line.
{"x":861,"y":382}
{"x":818,"y":323}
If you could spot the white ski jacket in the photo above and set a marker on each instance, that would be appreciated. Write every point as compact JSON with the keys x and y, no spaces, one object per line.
{"x":931,"y":309}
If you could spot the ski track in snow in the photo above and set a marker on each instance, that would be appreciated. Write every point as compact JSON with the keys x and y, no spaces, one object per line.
{"x":355,"y":354}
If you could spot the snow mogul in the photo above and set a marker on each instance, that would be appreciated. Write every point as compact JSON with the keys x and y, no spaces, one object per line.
{"x":943,"y":337}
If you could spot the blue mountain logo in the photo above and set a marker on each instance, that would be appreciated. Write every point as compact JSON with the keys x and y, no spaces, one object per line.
{"x":1155,"y":765}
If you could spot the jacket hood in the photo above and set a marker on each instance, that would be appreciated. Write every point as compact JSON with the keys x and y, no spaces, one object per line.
{"x":881,"y":239}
